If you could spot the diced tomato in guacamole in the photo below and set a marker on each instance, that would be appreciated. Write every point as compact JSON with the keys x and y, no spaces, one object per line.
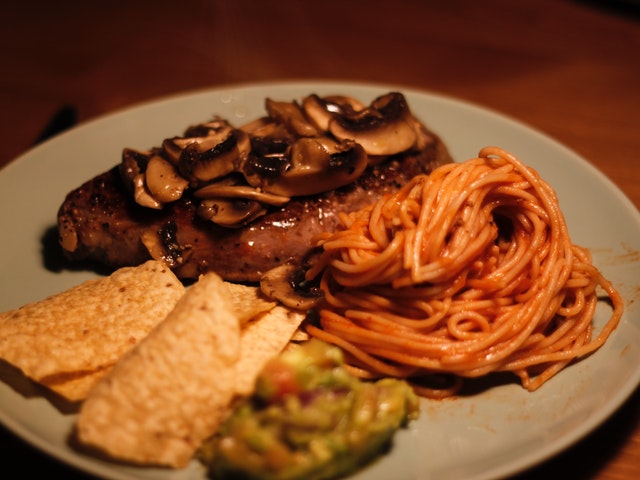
{"x":309,"y":419}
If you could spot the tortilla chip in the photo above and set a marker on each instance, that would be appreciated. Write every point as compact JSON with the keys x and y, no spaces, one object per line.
{"x":74,"y":387}
{"x":262,"y":339}
{"x":87,"y":328}
{"x":173,"y":390}
{"x":248,"y":301}
{"x":300,"y":335}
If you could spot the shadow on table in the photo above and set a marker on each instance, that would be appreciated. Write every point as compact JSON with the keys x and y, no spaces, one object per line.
{"x":623,"y":8}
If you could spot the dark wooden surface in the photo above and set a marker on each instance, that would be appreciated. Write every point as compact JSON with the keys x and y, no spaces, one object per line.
{"x":568,"y":68}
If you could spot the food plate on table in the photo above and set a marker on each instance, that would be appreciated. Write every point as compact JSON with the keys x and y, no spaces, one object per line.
{"x":498,"y":429}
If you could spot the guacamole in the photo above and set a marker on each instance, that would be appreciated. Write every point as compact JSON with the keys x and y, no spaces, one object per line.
{"x":309,"y":418}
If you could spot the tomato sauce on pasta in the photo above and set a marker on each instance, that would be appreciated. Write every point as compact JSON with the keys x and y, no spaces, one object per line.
{"x":463,"y":272}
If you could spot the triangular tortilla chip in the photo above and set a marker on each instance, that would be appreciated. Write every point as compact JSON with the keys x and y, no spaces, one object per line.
{"x":248,"y":301}
{"x":262,"y":339}
{"x":173,"y":390}
{"x":87,"y":328}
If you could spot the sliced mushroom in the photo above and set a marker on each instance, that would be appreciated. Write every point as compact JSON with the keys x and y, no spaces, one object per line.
{"x":207,"y":128}
{"x":320,"y":110}
{"x":216,"y":190}
{"x":230,"y":212}
{"x":316,"y":165}
{"x":133,"y":170}
{"x":163,"y":180}
{"x":162,"y":244}
{"x":172,"y":148}
{"x":142,"y":195}
{"x":265,"y":127}
{"x":133,"y":164}
{"x":423,"y":136}
{"x":218,"y":154}
{"x":268,"y":160}
{"x":384,"y":128}
{"x":286,"y":284}
{"x":342,"y":103}
{"x":291,"y":115}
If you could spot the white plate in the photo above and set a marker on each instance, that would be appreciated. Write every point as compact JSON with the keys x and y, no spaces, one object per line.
{"x":498,"y":431}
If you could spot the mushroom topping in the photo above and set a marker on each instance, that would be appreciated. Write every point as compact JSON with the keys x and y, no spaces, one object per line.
{"x":265,"y":127}
{"x":231,"y":205}
{"x":218,"y":154}
{"x":310,"y":165}
{"x":230,"y":212}
{"x":268,"y":159}
{"x":423,"y":137}
{"x":295,"y":150}
{"x":142,"y":195}
{"x":162,"y":244}
{"x":132,"y":170}
{"x":291,"y":115}
{"x":321,"y":110}
{"x":163,"y":180}
{"x":217,"y":190}
{"x":384,"y":128}
{"x":133,"y":164}
{"x":286,"y":284}
{"x":150,"y":178}
{"x":172,"y":147}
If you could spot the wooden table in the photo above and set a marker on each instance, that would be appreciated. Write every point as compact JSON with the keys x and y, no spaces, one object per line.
{"x":568,"y":68}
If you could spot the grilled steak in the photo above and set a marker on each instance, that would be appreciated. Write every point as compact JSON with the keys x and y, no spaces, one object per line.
{"x":102,"y":220}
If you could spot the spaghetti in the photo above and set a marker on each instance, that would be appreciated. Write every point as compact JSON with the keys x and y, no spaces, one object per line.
{"x":463,"y":272}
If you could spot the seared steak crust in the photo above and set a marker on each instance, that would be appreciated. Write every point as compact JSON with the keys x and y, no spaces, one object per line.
{"x":100,"y":221}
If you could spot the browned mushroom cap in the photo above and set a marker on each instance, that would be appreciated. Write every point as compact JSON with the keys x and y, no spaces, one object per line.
{"x":142,"y":195}
{"x":213,"y":156}
{"x":310,"y":165}
{"x":133,"y":163}
{"x":230,"y":212}
{"x":384,"y":128}
{"x":163,"y":181}
{"x":280,"y":283}
{"x":292,"y":117}
{"x":268,"y":160}
{"x":172,"y":147}
{"x":162,"y":244}
{"x":132,"y":170}
{"x":320,"y":110}
{"x":265,"y":127}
